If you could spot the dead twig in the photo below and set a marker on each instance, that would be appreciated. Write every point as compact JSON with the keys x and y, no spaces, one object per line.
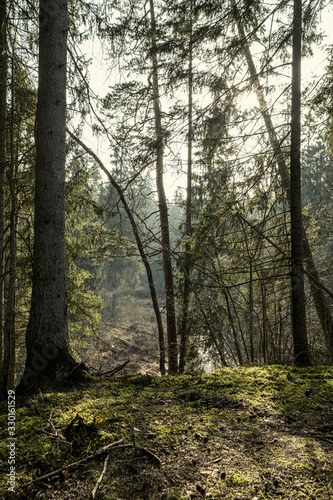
{"x":55,"y":434}
{"x":117,"y":445}
{"x":112,"y":446}
{"x":115,"y":370}
{"x":100,"y":479}
{"x":145,"y":451}
{"x":216,"y":460}
{"x":148,"y":453}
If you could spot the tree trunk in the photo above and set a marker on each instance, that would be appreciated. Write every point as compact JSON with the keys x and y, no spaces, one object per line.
{"x":301,"y":349}
{"x":251,"y":322}
{"x":143,"y":255}
{"x":264,"y":324}
{"x":48,"y":357}
{"x":233,"y":328}
{"x":188,"y":223}
{"x":320,"y":302}
{"x":8,"y":367}
{"x":163,"y":210}
{"x":3,"y":104}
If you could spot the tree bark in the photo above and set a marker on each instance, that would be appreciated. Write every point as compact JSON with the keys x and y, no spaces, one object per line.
{"x":251,"y":311}
{"x":48,"y":358}
{"x":188,"y":223}
{"x":320,"y":302}
{"x":233,"y":328}
{"x":163,"y":210}
{"x":264,"y":324}
{"x":3,"y":105}
{"x":8,"y":368}
{"x":301,"y":349}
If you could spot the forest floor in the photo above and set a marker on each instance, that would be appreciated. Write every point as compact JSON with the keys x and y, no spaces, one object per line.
{"x":243,"y":433}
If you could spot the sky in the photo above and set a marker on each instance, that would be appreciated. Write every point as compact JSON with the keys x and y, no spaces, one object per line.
{"x":312,"y":68}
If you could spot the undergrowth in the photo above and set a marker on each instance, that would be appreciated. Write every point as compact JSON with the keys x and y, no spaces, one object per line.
{"x":244,"y":433}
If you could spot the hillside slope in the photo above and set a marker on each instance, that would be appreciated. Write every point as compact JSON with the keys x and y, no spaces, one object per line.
{"x":244,"y":433}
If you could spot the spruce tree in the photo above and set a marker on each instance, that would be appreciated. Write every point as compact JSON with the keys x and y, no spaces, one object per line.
{"x":47,"y":343}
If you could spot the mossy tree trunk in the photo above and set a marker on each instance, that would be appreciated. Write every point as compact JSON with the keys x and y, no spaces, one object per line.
{"x":3,"y":105}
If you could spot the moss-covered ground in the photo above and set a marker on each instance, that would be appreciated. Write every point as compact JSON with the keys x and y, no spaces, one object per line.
{"x":244,"y":433}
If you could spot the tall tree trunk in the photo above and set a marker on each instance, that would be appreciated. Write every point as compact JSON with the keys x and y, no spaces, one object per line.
{"x":251,"y":311}
{"x":264,"y":324}
{"x":143,"y":255}
{"x":233,"y":328}
{"x":3,"y":105}
{"x":8,"y":369}
{"x":188,"y":222}
{"x":320,"y":302}
{"x":163,"y":210}
{"x":48,"y":357}
{"x":301,"y":349}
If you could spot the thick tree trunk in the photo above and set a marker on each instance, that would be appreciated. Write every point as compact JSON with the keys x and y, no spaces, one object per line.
{"x":163,"y":210}
{"x":301,"y":349}
{"x":320,"y":302}
{"x":47,"y":343}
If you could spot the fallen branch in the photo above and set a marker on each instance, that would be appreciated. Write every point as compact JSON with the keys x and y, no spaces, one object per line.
{"x":216,"y":460}
{"x":148,"y":453}
{"x":145,"y":451}
{"x":115,"y":370}
{"x":117,"y":445}
{"x":100,"y":479}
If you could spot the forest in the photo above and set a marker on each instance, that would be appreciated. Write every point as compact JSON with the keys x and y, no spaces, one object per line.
{"x":173,"y":154}
{"x":166,"y":326}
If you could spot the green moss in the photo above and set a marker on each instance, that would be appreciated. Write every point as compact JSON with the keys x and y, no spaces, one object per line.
{"x":252,"y":431}
{"x":237,"y":479}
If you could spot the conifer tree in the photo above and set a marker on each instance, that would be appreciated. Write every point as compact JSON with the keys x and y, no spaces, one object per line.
{"x":3,"y":107}
{"x":317,"y":289}
{"x":301,"y":350}
{"x":163,"y":209}
{"x":47,"y":340}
